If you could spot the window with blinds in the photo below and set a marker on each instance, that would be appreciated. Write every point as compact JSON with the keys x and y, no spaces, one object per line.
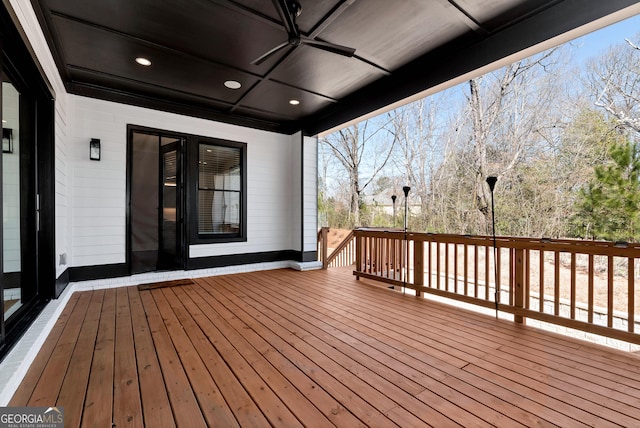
{"x":220,"y":184}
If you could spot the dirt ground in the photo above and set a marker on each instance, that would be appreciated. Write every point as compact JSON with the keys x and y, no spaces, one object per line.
{"x":336,"y":236}
{"x":620,"y":285}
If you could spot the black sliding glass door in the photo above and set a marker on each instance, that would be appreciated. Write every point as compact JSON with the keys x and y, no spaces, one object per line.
{"x":19,"y":281}
{"x":27,"y":188}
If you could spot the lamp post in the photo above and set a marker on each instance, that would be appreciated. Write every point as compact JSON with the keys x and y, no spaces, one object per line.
{"x":491,"y":181}
{"x":393,"y":201}
{"x":406,"y":190}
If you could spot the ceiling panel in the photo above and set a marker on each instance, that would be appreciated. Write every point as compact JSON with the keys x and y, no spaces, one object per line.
{"x":400,"y":34}
{"x":95,"y":49}
{"x":402,"y":47}
{"x":325,"y":73}
{"x":274,"y":97}
{"x":198,"y":27}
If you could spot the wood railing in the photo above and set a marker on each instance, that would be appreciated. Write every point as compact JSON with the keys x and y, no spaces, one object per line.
{"x":343,"y":255}
{"x":585,"y":285}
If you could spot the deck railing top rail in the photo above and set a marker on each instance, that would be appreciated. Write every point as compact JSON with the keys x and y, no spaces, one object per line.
{"x":605,"y":248}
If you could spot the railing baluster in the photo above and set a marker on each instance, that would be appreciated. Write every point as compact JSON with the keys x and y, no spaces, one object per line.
{"x":541,"y":286}
{"x":556,"y":285}
{"x":418,"y":265}
{"x":456,"y":284}
{"x":429,"y":262}
{"x":610,"y":291}
{"x":358,"y":255}
{"x":475,"y":271}
{"x":370,"y":255}
{"x":590,"y":290}
{"x":527,"y":279}
{"x":513,"y":278}
{"x":573,"y":286}
{"x":446,"y":267}
{"x":499,"y":274}
{"x":631,"y":292}
{"x":486,"y":272}
{"x":438,"y":265}
{"x":395,"y":258}
{"x":466,"y":270}
{"x":383,"y":256}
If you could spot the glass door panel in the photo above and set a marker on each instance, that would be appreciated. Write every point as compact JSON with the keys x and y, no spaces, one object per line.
{"x":155,"y":203}
{"x":170,"y":186}
{"x":11,"y":201}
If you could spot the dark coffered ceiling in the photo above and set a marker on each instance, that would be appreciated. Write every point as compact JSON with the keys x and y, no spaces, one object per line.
{"x":402,"y":47}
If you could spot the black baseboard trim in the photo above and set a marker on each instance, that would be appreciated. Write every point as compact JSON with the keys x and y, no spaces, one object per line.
{"x":61,"y":283}
{"x":309,"y":256}
{"x":242,"y":259}
{"x":86,"y":273}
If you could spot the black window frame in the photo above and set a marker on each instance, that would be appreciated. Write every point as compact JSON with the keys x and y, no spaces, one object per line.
{"x":195,"y":237}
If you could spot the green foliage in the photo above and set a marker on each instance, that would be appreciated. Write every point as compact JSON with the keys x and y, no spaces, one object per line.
{"x":609,"y":207}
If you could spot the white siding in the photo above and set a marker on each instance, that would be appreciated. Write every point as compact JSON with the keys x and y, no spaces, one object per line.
{"x":296,"y":191}
{"x":270,"y":200}
{"x":99,"y":190}
{"x":310,"y":193}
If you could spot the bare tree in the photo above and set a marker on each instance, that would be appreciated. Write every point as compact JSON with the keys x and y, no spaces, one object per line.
{"x":507,"y":111}
{"x":363,"y":150}
{"x":422,"y":132}
{"x":615,"y":78}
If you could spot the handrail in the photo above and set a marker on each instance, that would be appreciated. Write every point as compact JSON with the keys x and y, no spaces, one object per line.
{"x":342,"y":255}
{"x":345,"y":250}
{"x":551,"y":280}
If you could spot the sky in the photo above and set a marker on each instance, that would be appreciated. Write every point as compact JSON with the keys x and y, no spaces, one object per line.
{"x":588,"y":46}
{"x":597,"y":42}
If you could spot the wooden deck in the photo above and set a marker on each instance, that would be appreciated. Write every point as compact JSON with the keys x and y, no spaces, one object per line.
{"x":285,"y":348}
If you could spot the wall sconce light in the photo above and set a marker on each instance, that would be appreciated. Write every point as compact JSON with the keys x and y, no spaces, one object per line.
{"x":7,"y":140}
{"x":94,"y":149}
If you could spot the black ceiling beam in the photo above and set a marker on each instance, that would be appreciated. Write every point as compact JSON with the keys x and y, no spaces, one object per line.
{"x":469,"y":20}
{"x":166,"y":105}
{"x":454,"y":60}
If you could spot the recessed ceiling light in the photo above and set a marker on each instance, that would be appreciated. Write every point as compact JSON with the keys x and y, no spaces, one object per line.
{"x":143,"y":61}
{"x":232,"y":84}
{"x":4,"y":121}
{"x":294,"y":102}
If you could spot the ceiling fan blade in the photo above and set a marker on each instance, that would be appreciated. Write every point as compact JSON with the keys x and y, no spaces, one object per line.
{"x":330,"y":47}
{"x":286,"y":15}
{"x":266,"y":56}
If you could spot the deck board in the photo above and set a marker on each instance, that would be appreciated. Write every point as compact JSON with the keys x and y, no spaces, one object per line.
{"x":30,"y":380}
{"x":80,"y":363}
{"x":98,"y":404}
{"x":48,"y":386}
{"x":286,"y":348}
{"x":155,"y":401}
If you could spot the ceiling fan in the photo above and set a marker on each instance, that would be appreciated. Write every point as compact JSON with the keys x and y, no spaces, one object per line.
{"x":289,"y":10}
